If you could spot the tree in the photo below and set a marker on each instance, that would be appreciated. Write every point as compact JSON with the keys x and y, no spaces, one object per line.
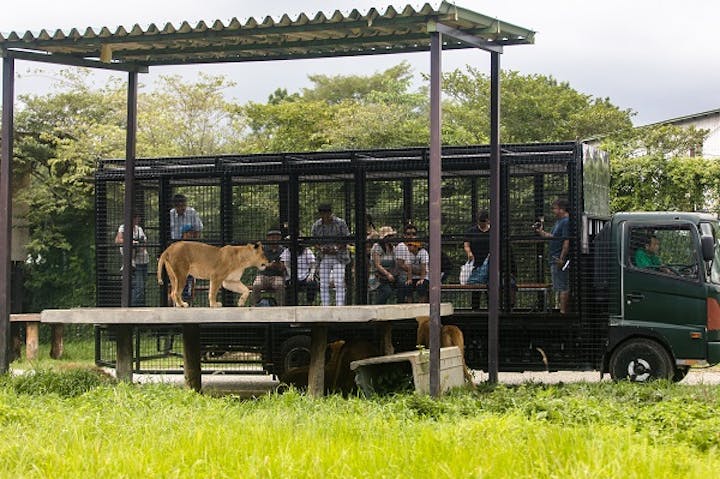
{"x":61,"y":135}
{"x":339,"y":112}
{"x":652,"y":170}
{"x":186,"y":118}
{"x":59,"y":138}
{"x":535,"y":108}
{"x":359,"y":88}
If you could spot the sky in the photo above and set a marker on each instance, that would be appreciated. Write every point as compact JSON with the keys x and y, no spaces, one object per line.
{"x":658,"y":58}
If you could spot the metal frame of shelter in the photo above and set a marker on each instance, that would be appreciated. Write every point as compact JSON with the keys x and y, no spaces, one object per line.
{"x":428,"y":28}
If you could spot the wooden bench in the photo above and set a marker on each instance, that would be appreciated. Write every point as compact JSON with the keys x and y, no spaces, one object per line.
{"x":318,"y":318}
{"x":32,"y":336}
{"x":544,"y":288}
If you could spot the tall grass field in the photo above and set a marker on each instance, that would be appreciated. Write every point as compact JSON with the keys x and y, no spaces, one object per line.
{"x":79,"y":423}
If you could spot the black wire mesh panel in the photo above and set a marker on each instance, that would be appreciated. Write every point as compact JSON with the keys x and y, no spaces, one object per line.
{"x":159,"y":349}
{"x":241,"y":197}
{"x":109,"y":213}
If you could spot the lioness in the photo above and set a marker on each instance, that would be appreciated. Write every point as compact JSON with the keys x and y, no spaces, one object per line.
{"x":222,"y":266}
{"x":449,"y":336}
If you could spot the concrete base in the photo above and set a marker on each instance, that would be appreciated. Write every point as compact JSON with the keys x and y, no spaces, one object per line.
{"x":380,"y":374}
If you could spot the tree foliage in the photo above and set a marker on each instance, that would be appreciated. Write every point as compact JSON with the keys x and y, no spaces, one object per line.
{"x":59,"y":138}
{"x":339,"y":112}
{"x":534,"y":108}
{"x":182,"y":118}
{"x":652,"y":170}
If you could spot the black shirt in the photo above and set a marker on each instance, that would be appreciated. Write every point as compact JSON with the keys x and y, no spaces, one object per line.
{"x":479,"y":243}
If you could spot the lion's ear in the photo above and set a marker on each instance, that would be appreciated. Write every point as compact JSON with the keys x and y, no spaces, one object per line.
{"x":258,"y":245}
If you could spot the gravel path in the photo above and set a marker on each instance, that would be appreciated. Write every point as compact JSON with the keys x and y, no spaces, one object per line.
{"x":254,"y":385}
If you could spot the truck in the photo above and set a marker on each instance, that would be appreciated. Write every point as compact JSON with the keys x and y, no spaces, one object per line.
{"x":627,"y":318}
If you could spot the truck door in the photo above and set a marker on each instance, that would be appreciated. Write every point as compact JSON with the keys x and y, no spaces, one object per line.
{"x":662,"y":288}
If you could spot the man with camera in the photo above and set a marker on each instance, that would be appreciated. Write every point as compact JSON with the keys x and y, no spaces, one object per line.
{"x":559,"y":249}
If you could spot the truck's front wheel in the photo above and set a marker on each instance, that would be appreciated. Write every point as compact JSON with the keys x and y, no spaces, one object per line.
{"x":641,"y":360}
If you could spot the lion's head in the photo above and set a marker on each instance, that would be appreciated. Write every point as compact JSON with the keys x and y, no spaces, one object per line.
{"x":257,"y":256}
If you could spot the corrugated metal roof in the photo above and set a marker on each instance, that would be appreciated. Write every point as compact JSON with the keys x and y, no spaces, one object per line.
{"x":340,"y":34}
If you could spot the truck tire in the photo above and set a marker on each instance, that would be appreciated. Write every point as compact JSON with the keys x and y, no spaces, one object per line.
{"x":641,"y":360}
{"x":294,"y":353}
{"x":680,"y":373}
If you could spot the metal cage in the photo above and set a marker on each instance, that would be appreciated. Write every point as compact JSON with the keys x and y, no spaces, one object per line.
{"x":241,"y":197}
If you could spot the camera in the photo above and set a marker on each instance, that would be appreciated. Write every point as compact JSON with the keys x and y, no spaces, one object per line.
{"x":537,"y":225}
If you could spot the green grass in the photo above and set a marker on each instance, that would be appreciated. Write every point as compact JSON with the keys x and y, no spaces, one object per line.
{"x":78,"y":352}
{"x":79,"y":423}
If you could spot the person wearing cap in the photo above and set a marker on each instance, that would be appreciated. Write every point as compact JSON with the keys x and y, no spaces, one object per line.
{"x":384,"y":264}
{"x":333,"y":257}
{"x":185,"y":223}
{"x":272,"y":278}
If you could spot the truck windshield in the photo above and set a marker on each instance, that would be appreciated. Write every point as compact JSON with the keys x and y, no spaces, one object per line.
{"x":714,"y":268}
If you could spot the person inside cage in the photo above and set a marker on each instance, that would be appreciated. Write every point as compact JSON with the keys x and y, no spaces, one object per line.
{"x":272,"y":278}
{"x":333,"y":256}
{"x":185,"y":223}
{"x":140,"y":259}
{"x":384,"y":266}
{"x":559,"y":249}
{"x":404,"y":259}
{"x":418,"y":274}
{"x":305,"y":271}
{"x":477,"y":248}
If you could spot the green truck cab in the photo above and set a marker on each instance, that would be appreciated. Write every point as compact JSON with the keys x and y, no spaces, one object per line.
{"x":664,"y":293}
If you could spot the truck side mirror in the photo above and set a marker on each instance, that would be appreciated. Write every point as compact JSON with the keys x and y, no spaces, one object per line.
{"x":707,"y":244}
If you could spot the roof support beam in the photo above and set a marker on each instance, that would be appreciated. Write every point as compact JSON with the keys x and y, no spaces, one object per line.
{"x":464,"y":37}
{"x":495,"y":199}
{"x":435,"y":198}
{"x":73,"y":61}
{"x":6,"y":154}
{"x":123,"y":367}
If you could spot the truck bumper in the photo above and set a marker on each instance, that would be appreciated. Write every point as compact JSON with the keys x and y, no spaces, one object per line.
{"x":713,"y":352}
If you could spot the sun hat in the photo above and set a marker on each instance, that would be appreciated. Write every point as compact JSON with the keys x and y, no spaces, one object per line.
{"x":386,"y":231}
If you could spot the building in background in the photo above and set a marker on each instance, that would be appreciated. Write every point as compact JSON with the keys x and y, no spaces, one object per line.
{"x":708,"y":120}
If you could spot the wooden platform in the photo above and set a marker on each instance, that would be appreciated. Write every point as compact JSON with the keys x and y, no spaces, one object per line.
{"x":274,"y":314}
{"x":318,"y":317}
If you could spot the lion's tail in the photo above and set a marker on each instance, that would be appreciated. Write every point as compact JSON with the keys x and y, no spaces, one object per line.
{"x":161,"y":264}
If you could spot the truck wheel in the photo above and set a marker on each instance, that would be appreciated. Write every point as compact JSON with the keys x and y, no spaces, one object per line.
{"x":641,"y":360}
{"x":294,"y":353}
{"x":680,"y":373}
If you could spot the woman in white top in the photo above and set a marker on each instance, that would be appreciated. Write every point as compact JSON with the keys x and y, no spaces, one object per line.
{"x":140,"y":260}
{"x":306,"y":271}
